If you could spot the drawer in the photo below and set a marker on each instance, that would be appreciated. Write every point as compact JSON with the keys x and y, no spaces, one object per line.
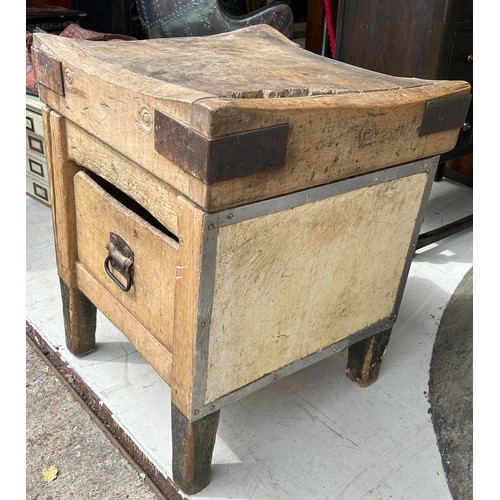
{"x":37,"y":167}
{"x":38,"y":189}
{"x":460,"y":66}
{"x":465,"y":10}
{"x":461,"y":69}
{"x":101,"y":209}
{"x":34,"y":122}
{"x":35,"y":144}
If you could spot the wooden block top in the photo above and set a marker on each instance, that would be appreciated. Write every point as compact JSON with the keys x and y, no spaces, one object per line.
{"x":244,"y":64}
{"x":245,"y":115}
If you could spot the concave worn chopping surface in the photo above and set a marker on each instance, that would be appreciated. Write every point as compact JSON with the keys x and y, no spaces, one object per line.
{"x":233,"y":65}
{"x":238,"y":117}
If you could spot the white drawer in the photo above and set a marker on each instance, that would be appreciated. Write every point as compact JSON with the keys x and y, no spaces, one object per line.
{"x":38,"y":189}
{"x":35,"y":144}
{"x":34,"y":122}
{"x":37,"y":167}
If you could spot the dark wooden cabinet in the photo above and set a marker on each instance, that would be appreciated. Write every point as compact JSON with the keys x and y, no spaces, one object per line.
{"x":418,"y":38}
{"x":111,"y":16}
{"x":429,"y":39}
{"x":409,"y":38}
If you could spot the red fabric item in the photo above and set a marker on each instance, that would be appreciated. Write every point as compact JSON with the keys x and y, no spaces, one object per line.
{"x":73,"y":30}
{"x":31,"y":83}
{"x":329,"y":27}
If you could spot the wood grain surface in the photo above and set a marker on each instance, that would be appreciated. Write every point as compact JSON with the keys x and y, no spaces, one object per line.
{"x":291,"y":283}
{"x":151,"y":298}
{"x":343,"y":120}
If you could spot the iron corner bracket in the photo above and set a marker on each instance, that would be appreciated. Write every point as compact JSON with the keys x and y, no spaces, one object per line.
{"x":222,"y":158}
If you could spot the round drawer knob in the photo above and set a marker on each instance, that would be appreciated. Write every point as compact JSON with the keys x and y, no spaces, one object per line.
{"x":468,"y":59}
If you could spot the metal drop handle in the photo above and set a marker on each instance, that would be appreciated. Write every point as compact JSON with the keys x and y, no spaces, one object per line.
{"x":120,"y":258}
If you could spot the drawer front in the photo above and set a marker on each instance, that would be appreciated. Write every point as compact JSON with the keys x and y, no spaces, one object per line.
{"x":466,"y":10}
{"x":34,"y":122}
{"x":35,"y":144}
{"x":151,"y":296}
{"x":37,"y":167}
{"x":460,"y":67}
{"x":38,"y":189}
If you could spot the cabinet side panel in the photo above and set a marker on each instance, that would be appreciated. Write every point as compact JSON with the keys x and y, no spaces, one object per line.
{"x":291,"y":283}
{"x":398,"y":38}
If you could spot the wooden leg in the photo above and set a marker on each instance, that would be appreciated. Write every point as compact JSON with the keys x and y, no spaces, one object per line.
{"x":79,"y":320}
{"x":79,"y":313}
{"x":365,"y":358}
{"x":193,"y":445}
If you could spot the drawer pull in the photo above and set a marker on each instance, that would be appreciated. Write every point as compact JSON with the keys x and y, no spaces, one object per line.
{"x":120,"y":258}
{"x":466,"y":127}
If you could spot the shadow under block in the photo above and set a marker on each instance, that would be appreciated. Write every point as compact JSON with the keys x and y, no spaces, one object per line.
{"x":240,"y":220}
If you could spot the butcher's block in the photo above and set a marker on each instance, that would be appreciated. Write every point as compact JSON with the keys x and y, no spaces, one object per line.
{"x":237,"y":206}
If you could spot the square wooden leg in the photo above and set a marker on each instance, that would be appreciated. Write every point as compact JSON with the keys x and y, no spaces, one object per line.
{"x":79,"y":320}
{"x":192,"y":447}
{"x":365,"y":358}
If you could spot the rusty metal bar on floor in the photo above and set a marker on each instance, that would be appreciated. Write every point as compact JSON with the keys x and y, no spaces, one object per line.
{"x":102,"y":416}
{"x":444,"y":231}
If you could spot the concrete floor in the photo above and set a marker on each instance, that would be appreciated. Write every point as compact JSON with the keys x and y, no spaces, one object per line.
{"x":61,"y":434}
{"x":451,"y":389}
{"x":310,"y":435}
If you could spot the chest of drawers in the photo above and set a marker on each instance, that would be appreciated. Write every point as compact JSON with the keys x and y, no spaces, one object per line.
{"x":37,"y":181}
{"x":422,"y":39}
